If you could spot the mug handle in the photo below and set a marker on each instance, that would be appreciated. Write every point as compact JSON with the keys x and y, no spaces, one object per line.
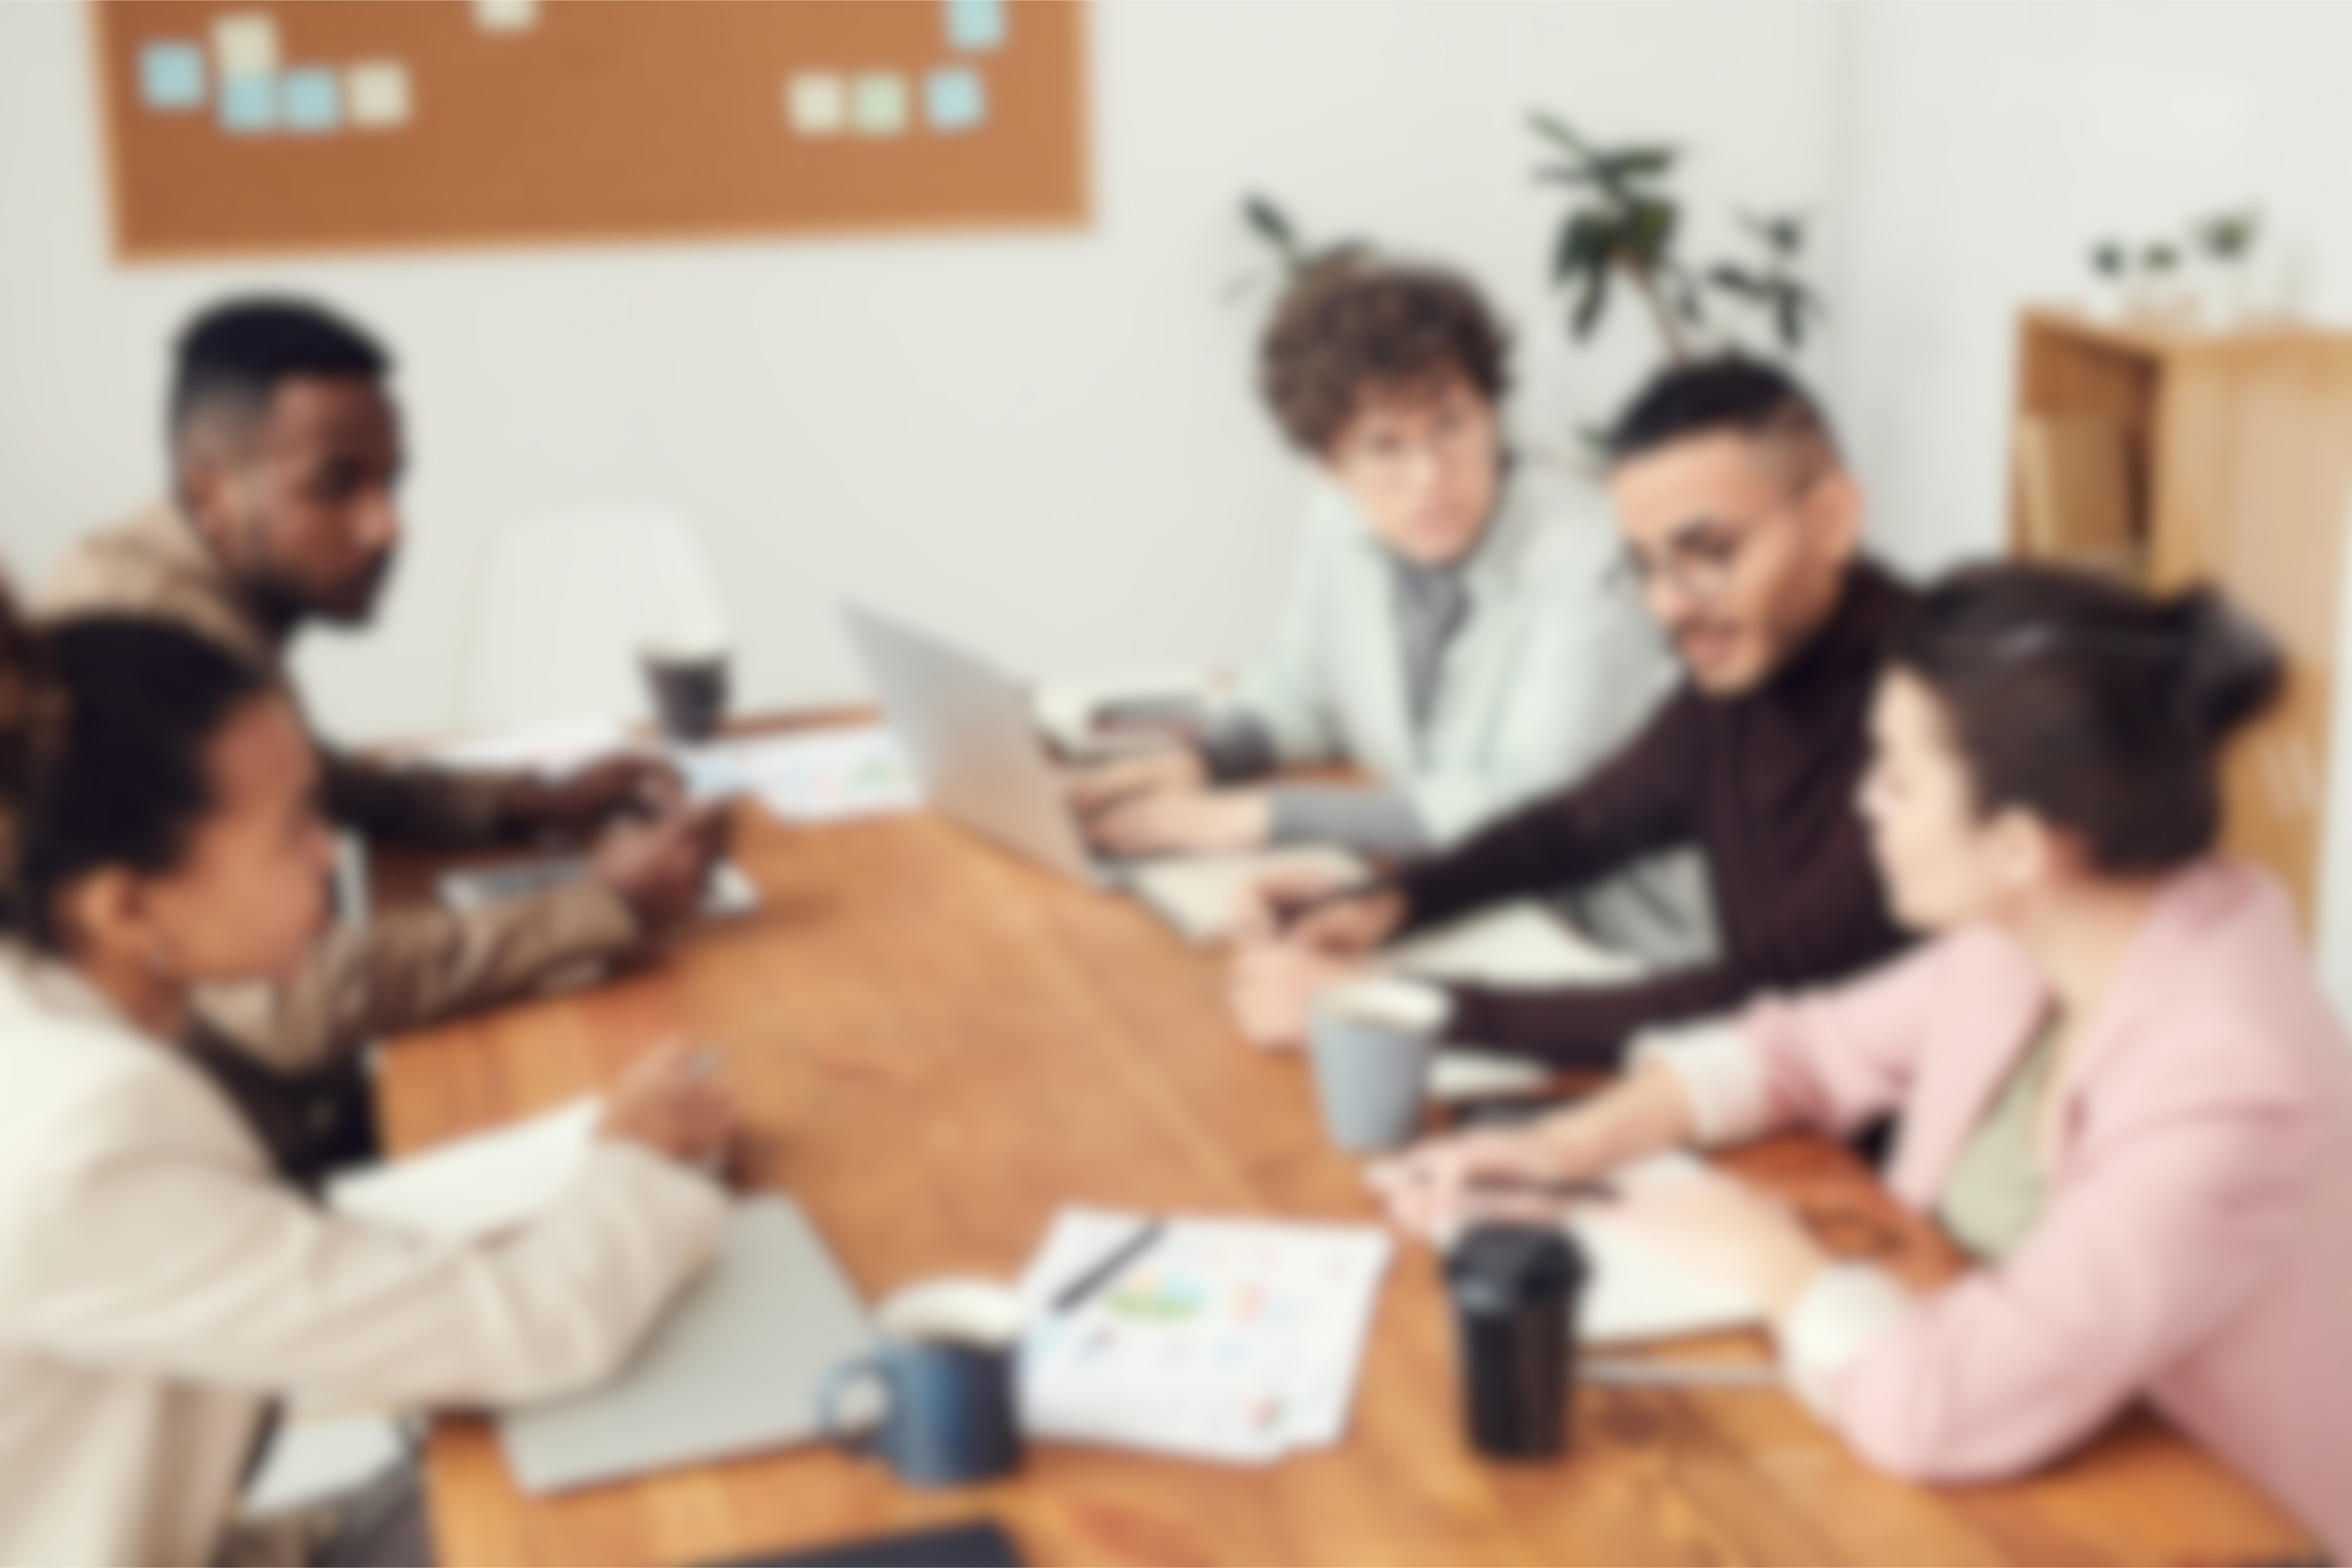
{"x":837,"y":1383}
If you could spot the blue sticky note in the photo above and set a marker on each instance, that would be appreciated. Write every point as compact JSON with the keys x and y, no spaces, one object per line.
{"x":976,"y":23}
{"x":311,"y":100}
{"x":248,"y":104}
{"x":172,"y":75}
{"x":956,"y":98}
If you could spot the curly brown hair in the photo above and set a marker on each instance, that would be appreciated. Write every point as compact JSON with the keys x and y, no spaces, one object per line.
{"x":1351,"y":326}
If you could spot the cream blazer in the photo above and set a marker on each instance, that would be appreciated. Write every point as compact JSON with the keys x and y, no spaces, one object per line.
{"x":157,"y":1285}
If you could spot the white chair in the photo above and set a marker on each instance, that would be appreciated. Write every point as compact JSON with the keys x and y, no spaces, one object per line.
{"x":565,"y":602}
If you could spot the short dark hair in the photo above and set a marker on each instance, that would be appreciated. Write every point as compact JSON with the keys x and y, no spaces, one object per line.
{"x":104,"y":722}
{"x":233,"y":357}
{"x":1350,"y":325}
{"x":1706,"y":397}
{"x":2091,"y":704}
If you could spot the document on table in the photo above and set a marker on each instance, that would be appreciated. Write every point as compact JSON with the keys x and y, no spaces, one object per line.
{"x":1638,"y":1290}
{"x":1202,"y":895}
{"x":474,"y":1186}
{"x":1522,"y":945}
{"x":1635,"y":1289}
{"x":816,"y":775}
{"x":1518,"y":944}
{"x":1230,"y":1339}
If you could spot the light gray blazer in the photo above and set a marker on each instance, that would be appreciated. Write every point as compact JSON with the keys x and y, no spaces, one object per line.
{"x":1554,"y":670}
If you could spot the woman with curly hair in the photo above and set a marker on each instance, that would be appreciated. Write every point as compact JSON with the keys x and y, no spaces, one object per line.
{"x":1451,"y":629}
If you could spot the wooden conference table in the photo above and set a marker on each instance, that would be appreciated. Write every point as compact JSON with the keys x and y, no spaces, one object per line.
{"x":935,"y":1045}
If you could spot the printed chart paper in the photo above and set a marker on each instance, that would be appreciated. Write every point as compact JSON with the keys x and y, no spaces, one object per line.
{"x":1228,"y":1339}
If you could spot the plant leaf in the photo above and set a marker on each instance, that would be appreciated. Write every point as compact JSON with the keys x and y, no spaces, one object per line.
{"x":1594,"y":300}
{"x":1649,"y":234}
{"x":1553,"y":129}
{"x":1269,"y":221}
{"x":1637,"y":163}
{"x":1738,"y":280}
{"x":1789,"y":316}
{"x":1689,"y":303}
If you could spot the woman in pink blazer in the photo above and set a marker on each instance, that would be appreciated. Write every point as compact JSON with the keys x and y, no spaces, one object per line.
{"x":2120,"y":1088}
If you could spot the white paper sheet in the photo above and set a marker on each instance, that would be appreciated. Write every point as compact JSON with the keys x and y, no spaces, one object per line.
{"x":1234,"y":1341}
{"x":1202,"y":895}
{"x":1457,"y":1074}
{"x":474,"y":1186}
{"x":1520,"y":944}
{"x":1638,"y":1290}
{"x":819,"y":775}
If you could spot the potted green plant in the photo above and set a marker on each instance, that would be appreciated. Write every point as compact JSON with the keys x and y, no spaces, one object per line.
{"x":1624,"y":228}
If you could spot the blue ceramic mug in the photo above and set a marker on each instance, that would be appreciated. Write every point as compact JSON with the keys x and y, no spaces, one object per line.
{"x":944,"y":1376}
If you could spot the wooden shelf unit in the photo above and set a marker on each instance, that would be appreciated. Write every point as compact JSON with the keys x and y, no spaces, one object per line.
{"x":2239,"y":445}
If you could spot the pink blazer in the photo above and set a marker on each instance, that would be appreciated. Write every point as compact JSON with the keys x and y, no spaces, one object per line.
{"x":2195,"y":1247}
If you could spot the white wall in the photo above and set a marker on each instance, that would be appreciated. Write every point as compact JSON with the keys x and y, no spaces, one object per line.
{"x":1045,"y":442}
{"x":1990,"y":145}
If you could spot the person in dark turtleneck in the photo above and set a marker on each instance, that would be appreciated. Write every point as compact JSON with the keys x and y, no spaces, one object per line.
{"x":1742,"y":529}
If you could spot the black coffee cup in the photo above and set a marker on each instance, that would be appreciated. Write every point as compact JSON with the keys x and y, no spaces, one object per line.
{"x":689,"y":688}
{"x":1515,"y":1290}
{"x":944,"y":1372}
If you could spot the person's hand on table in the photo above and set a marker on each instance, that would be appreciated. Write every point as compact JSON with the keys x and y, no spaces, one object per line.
{"x":1490,"y":1173}
{"x":578,"y":803}
{"x":1178,"y":769}
{"x":1274,"y":984}
{"x":672,"y":1105}
{"x":1297,"y":905}
{"x":661,"y":868}
{"x":1179,"y":822}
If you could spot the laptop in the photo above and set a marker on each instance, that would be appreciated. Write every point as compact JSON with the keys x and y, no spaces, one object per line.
{"x":735,"y":1368}
{"x":971,"y":735}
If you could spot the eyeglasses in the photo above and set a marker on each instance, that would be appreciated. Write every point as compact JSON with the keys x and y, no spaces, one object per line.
{"x":1386,"y":459}
{"x":1701,"y":561}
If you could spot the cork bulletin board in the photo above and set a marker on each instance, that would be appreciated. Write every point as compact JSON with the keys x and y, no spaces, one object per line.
{"x":256,"y":126}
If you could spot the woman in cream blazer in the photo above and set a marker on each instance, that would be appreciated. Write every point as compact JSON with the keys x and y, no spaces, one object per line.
{"x":2120,"y":1088}
{"x":157,"y":1285}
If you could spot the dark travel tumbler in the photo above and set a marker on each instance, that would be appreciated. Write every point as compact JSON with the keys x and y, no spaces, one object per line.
{"x":1515,"y":1289}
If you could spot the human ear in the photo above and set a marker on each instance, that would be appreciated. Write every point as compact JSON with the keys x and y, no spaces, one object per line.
{"x":208,"y":488}
{"x":1835,"y":511}
{"x":2019,"y":846}
{"x":104,"y":913}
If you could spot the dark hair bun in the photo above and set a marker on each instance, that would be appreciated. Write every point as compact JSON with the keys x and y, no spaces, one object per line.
{"x":2232,"y":670}
{"x":2098,"y":706}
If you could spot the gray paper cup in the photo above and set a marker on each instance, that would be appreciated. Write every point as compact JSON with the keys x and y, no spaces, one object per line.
{"x":1372,"y":1041}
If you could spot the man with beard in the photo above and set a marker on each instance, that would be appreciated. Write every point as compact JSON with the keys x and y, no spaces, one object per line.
{"x":1741,"y":527}
{"x":286,"y":457}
